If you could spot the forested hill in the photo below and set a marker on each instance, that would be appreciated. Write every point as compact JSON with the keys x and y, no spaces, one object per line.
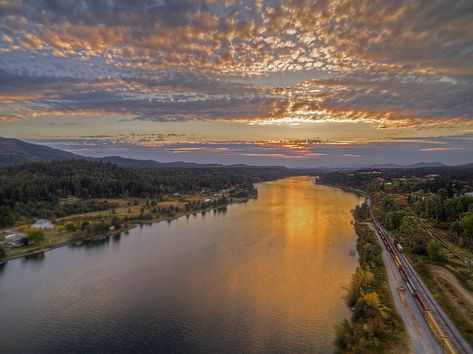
{"x":49,"y":181}
{"x":16,"y":152}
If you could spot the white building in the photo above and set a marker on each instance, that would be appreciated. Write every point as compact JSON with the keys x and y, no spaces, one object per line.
{"x":43,"y":224}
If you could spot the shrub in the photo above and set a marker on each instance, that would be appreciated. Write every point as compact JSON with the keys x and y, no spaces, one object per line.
{"x":434,"y":251}
{"x":70,"y":227}
{"x":35,"y":235}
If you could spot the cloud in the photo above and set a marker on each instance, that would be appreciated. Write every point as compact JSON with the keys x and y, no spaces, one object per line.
{"x":250,"y":36}
{"x":395,"y":65}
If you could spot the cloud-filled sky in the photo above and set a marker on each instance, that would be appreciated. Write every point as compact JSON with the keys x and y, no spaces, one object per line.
{"x":296,"y":82}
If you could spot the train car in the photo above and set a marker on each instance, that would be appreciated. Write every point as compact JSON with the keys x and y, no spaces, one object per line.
{"x":403,"y":272}
{"x":398,"y":246}
{"x":421,"y":303}
{"x":447,"y":346}
{"x":411,"y":287}
{"x":397,"y":262}
{"x":433,"y":325}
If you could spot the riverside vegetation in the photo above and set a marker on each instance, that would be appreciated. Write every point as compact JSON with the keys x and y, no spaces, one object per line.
{"x":375,"y":326}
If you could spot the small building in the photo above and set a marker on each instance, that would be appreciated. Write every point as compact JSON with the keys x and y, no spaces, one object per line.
{"x":468,"y":194}
{"x":207,"y":200}
{"x":15,"y":240}
{"x":432,"y":176}
{"x":43,"y":224}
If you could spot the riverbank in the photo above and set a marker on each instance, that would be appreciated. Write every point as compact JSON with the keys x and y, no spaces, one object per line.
{"x":375,"y":326}
{"x":59,"y":237}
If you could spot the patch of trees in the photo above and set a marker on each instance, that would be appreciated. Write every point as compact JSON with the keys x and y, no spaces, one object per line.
{"x":362,"y":212}
{"x":438,"y":207}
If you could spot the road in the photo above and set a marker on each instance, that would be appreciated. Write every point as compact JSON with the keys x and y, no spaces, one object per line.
{"x":422,"y":339}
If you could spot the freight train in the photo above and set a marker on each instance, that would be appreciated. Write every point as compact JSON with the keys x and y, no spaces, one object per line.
{"x":437,"y":331}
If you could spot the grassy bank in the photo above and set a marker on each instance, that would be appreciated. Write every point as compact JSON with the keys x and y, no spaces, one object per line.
{"x":375,"y":326}
{"x":123,"y":214}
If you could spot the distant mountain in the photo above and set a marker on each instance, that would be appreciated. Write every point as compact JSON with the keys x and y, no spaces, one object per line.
{"x":135,"y":163}
{"x":427,"y":164}
{"x":382,"y":166}
{"x":17,"y":152}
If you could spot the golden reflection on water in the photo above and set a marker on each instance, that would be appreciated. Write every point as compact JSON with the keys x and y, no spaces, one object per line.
{"x":289,"y":278}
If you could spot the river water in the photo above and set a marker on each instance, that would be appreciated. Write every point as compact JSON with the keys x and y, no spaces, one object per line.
{"x":264,"y":276}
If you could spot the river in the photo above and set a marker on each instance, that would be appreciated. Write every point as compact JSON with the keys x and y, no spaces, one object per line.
{"x":264,"y":276}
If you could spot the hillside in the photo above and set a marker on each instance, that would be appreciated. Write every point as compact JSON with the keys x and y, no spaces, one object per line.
{"x":17,"y":152}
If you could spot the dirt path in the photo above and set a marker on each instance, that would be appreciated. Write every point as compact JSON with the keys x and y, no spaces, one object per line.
{"x":454,"y":282}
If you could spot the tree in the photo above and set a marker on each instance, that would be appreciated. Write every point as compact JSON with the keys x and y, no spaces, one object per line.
{"x":70,"y":227}
{"x":3,"y":254}
{"x":393,"y":219}
{"x":406,"y":226}
{"x":466,"y":224}
{"x":84,"y":224}
{"x":35,"y":235}
{"x":388,"y":204}
{"x":116,"y":222}
{"x":434,"y":251}
{"x":361,"y":281}
{"x":362,"y":212}
{"x":6,"y":216}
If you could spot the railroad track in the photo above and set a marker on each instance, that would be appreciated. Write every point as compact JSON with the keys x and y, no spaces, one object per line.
{"x":445,"y":332}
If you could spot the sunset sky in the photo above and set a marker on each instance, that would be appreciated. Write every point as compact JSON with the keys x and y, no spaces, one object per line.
{"x":299,"y":83}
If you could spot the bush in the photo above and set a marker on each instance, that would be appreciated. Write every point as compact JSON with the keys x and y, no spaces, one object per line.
{"x":35,"y":235}
{"x":393,"y":219}
{"x":362,"y":212}
{"x":3,"y":254}
{"x":70,"y":227}
{"x":84,"y":224}
{"x":434,"y":251}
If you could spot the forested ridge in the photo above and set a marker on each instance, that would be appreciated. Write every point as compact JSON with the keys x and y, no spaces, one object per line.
{"x":81,"y":178}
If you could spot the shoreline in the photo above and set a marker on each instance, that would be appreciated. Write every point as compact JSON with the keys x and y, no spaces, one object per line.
{"x":115,"y":232}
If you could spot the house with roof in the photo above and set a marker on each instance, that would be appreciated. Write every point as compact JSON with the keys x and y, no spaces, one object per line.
{"x":43,"y":224}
